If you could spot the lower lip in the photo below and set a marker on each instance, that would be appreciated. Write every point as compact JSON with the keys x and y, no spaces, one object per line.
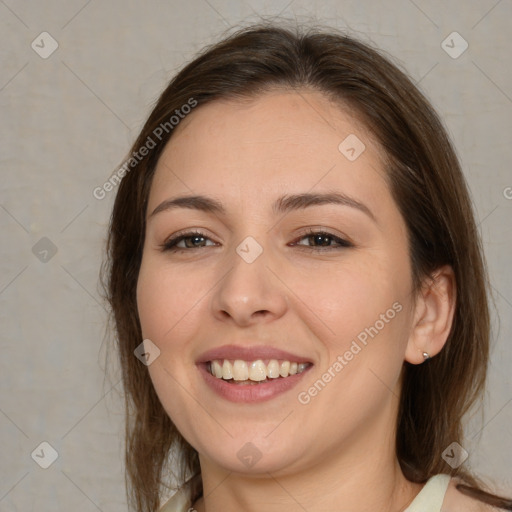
{"x":250,"y":393}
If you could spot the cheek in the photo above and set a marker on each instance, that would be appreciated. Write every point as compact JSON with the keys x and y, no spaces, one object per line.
{"x":166,"y":301}
{"x":345,"y":300}
{"x":359,"y":312}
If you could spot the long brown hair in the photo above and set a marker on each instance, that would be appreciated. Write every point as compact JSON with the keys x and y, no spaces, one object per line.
{"x":428,"y":186}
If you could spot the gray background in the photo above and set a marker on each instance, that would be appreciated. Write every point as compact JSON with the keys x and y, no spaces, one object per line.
{"x":67,"y":122}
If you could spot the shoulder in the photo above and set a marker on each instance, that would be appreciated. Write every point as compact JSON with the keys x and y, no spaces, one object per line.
{"x":456,"y":501}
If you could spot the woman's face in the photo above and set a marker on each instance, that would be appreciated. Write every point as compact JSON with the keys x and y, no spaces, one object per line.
{"x":297,"y":261}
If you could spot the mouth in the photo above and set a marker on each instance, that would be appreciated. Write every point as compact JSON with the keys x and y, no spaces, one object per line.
{"x":251,"y":374}
{"x":259,"y":371}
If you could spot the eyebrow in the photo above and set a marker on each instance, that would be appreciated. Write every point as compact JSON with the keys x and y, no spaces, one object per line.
{"x":282,"y":205}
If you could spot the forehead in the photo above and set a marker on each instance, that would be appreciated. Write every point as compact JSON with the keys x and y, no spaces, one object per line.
{"x":278,"y":140}
{"x":275,"y":117}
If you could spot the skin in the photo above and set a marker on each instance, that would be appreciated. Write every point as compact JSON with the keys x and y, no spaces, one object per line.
{"x":339,"y":448}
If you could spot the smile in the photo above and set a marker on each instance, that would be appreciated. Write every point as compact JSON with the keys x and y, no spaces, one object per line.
{"x":257,"y":371}
{"x":251,"y":373}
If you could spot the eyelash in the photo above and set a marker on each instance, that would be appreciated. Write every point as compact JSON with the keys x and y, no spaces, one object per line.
{"x":171,"y":243}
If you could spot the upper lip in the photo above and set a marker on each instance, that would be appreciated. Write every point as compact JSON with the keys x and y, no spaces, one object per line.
{"x":244,"y":353}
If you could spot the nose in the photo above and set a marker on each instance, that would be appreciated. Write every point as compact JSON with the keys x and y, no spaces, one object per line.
{"x":249,"y":293}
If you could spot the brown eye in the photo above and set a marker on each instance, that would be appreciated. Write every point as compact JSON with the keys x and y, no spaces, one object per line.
{"x":321,"y":239}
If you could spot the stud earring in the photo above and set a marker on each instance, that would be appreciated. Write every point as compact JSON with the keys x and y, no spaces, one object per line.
{"x":426,"y":357}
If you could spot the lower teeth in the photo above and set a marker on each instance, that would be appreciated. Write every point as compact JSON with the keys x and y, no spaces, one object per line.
{"x":246,"y":382}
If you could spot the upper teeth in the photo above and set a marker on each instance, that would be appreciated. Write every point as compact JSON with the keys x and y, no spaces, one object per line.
{"x":254,"y":370}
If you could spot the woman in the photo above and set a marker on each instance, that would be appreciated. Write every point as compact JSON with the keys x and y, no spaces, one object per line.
{"x":293,"y":259}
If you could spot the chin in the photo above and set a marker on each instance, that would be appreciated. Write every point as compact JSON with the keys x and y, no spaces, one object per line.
{"x":253,"y":454}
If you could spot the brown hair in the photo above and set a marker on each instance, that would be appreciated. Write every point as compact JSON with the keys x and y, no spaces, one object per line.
{"x":428,"y":186}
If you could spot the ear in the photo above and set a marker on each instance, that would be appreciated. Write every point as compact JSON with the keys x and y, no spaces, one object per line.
{"x":433,"y":315}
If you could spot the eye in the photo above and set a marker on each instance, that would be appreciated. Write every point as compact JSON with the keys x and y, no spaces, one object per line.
{"x":190,"y":240}
{"x":316,"y":240}
{"x":322,"y":240}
